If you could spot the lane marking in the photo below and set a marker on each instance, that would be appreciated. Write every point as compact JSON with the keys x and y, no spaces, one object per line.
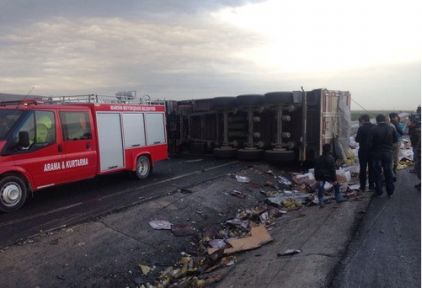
{"x":115,"y":194}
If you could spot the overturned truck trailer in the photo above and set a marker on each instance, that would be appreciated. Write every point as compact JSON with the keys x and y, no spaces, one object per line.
{"x":276,"y":126}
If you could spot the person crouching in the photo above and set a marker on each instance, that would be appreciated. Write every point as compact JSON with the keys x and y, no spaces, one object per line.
{"x":325,"y":171}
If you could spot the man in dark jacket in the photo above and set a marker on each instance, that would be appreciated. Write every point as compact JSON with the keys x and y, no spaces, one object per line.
{"x":395,"y":121}
{"x":325,"y":171}
{"x":382,"y":137}
{"x":365,"y":159}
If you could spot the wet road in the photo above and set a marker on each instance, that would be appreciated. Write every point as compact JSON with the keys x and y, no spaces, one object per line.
{"x":73,"y":203}
{"x":386,"y":250}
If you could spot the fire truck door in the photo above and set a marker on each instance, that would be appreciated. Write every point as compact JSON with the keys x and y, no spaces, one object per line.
{"x":78,"y":148}
{"x":41,"y":158}
{"x":110,"y":141}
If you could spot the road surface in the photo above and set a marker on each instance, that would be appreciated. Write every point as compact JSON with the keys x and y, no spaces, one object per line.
{"x":386,"y":250}
{"x":81,"y":201}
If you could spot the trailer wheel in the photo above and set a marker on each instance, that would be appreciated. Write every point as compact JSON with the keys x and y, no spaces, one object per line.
{"x":143,"y":167}
{"x":249,"y":100}
{"x":197,"y":148}
{"x":279,"y":98}
{"x":249,"y":154}
{"x":13,"y":193}
{"x":223,"y":102}
{"x":279,"y":156}
{"x":225,"y":153}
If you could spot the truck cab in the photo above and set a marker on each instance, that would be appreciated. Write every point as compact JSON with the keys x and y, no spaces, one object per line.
{"x":40,"y":146}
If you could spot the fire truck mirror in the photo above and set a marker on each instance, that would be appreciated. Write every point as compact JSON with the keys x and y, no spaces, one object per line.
{"x":23,"y":139}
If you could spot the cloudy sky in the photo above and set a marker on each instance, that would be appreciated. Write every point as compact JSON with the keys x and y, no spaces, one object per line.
{"x":197,"y":49}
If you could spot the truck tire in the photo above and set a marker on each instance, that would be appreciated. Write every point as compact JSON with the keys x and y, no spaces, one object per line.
{"x":250,"y":100}
{"x":279,"y":156}
{"x":279,"y":98}
{"x":13,"y":193}
{"x":143,"y":167}
{"x":225,"y":153}
{"x":223,"y":102}
{"x":197,"y":148}
{"x":249,"y":154}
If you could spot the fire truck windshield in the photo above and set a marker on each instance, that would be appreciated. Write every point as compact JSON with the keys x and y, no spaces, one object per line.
{"x":8,"y":119}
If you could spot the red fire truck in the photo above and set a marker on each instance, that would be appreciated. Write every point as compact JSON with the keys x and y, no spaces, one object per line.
{"x":43,"y":144}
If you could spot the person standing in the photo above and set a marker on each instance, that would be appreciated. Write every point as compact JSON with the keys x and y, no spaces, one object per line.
{"x":417,"y":159}
{"x":382,"y":137}
{"x":414,"y":127}
{"x":325,"y":171}
{"x":395,"y":122}
{"x":364,"y":153}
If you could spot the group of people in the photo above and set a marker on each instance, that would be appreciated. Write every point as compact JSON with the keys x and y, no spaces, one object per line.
{"x":379,"y":147}
{"x":378,"y":152}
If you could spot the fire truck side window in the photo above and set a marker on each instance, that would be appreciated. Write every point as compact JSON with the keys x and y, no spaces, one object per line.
{"x":45,"y":129}
{"x":75,"y":125}
{"x":28,"y":126}
{"x":40,"y":126}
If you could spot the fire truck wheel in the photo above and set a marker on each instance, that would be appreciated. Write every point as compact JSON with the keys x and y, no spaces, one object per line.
{"x":143,"y":167}
{"x":13,"y":193}
{"x":279,"y":156}
{"x":249,"y":154}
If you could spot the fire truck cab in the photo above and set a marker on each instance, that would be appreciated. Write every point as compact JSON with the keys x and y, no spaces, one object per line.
{"x":43,"y":145}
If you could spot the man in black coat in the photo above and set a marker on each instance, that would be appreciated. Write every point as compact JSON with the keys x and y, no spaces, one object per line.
{"x":395,"y":121}
{"x":382,"y":137}
{"x":325,"y":171}
{"x":364,"y":153}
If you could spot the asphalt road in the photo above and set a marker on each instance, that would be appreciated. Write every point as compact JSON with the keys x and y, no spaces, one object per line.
{"x":386,"y":249}
{"x":74,"y":203}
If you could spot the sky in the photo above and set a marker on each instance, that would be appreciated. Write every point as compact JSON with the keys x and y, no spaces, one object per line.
{"x":199,"y":49}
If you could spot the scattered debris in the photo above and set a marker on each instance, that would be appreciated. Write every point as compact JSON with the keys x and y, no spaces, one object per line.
{"x":289,"y":252}
{"x":284,"y":180}
{"x":269,"y":172}
{"x":271,"y":193}
{"x":307,"y":178}
{"x":281,"y":199}
{"x":242,"y":179}
{"x":343,"y":176}
{"x":217,"y":244}
{"x":259,"y":236}
{"x":238,"y":194}
{"x":184,"y":191}
{"x":183,"y":230}
{"x":248,"y":229}
{"x":291,"y":204}
{"x":243,"y":224}
{"x":354,"y":187}
{"x":145,"y":269}
{"x":264,"y":217}
{"x":160,"y":224}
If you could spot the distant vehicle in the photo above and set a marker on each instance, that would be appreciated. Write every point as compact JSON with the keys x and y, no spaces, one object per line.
{"x":47,"y":144}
